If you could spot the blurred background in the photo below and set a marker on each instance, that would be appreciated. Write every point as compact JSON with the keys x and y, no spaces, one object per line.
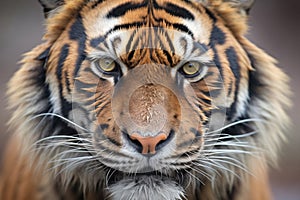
{"x":274,"y":26}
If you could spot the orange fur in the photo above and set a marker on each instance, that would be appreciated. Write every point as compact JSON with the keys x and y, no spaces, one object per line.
{"x":37,"y":85}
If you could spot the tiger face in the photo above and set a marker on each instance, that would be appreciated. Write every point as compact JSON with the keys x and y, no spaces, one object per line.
{"x":149,"y":99}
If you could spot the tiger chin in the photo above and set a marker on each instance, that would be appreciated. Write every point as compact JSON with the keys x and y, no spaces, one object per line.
{"x":144,"y":99}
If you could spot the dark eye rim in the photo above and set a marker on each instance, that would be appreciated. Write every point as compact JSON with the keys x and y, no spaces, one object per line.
{"x":115,"y":72}
{"x":190,"y":76}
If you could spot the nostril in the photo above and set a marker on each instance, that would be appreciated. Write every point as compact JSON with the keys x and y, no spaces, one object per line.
{"x":135,"y":143}
{"x":149,"y":145}
{"x":163,"y":143}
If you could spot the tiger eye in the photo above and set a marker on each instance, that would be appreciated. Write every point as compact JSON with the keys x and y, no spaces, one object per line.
{"x":191,"y":68}
{"x":107,"y":64}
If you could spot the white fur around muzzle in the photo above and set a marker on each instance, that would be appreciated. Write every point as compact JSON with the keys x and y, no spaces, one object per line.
{"x":146,"y":188}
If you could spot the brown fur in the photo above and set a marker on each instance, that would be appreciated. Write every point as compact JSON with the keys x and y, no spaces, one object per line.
{"x":29,"y":175}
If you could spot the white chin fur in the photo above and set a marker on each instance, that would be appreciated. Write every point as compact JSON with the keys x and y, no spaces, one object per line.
{"x":146,"y":188}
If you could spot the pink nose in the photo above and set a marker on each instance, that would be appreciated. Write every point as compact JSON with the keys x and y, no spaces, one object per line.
{"x":148,"y":143}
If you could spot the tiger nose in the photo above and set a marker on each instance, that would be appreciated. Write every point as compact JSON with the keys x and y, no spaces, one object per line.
{"x":148,"y":145}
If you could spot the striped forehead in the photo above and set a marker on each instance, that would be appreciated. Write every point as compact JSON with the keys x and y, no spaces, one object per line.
{"x":122,"y":42}
{"x":108,"y":16}
{"x":168,"y":26}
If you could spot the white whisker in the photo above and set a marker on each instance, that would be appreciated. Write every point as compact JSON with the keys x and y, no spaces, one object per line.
{"x":219,"y":166}
{"x":61,"y":117}
{"x":206,"y":167}
{"x":61,"y":137}
{"x":206,"y":175}
{"x":236,"y":123}
{"x":195,"y":177}
{"x":228,"y":136}
{"x":233,"y":144}
{"x":231,"y":163}
{"x":223,"y":151}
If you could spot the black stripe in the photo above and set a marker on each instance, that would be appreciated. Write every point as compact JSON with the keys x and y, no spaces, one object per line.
{"x":39,"y":79}
{"x":201,"y":47}
{"x":103,"y":126}
{"x":67,"y":82}
{"x":163,"y":48}
{"x":81,"y":87}
{"x":174,"y":10}
{"x":65,"y":106}
{"x":134,"y":46}
{"x":235,"y":68}
{"x":102,"y":106}
{"x":97,"y":41}
{"x":97,"y":3}
{"x":77,"y":33}
{"x":130,"y":55}
{"x":132,"y":50}
{"x":206,"y":101}
{"x":196,"y":132}
{"x":155,"y":5}
{"x":44,"y":54}
{"x":217,"y":36}
{"x":124,"y":8}
{"x":170,"y":42}
{"x":49,"y":126}
{"x":130,"y":41}
{"x":217,"y":62}
{"x":210,"y":14}
{"x":169,"y":57}
{"x":136,"y":24}
{"x":62,"y":58}
{"x":178,"y":11}
{"x":254,"y":80}
{"x":206,"y":113}
{"x":182,"y":27}
{"x":139,"y":24}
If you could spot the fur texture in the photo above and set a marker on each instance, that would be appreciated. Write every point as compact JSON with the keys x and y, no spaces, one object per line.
{"x":73,"y":121}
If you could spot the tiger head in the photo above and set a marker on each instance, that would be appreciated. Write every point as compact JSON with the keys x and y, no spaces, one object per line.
{"x":149,"y":99}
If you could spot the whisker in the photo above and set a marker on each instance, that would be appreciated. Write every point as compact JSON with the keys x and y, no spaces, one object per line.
{"x":228,"y":136}
{"x":61,"y":117}
{"x":199,"y":164}
{"x":69,"y":152}
{"x":72,"y":163}
{"x":191,"y":174}
{"x":61,"y":137}
{"x":206,"y":175}
{"x":218,"y":165}
{"x":233,"y":164}
{"x":231,"y":144}
{"x":228,"y":158}
{"x":222,"y":151}
{"x":108,"y":175}
{"x":40,"y":122}
{"x":236,"y":123}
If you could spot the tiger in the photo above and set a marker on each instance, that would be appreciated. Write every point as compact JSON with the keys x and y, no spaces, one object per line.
{"x":144,"y":100}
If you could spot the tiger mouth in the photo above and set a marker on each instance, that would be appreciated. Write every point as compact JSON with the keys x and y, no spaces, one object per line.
{"x":118,"y":176}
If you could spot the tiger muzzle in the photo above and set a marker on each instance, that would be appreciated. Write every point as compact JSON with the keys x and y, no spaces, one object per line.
{"x":155,"y":111}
